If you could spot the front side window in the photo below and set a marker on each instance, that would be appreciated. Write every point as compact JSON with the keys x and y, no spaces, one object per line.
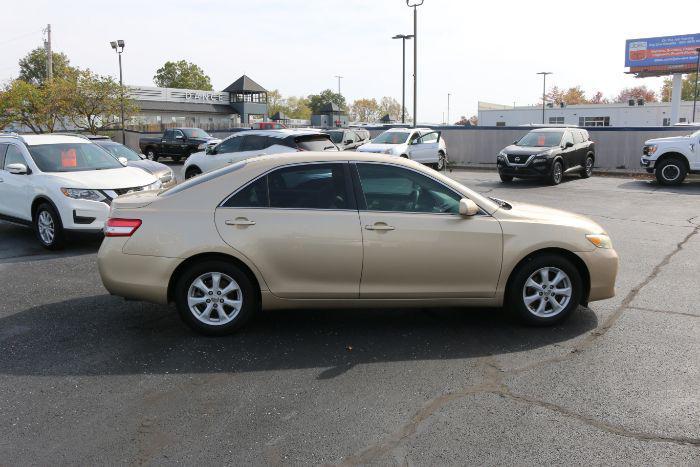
{"x":391,"y":188}
{"x":229,"y":145}
{"x":392,"y":137}
{"x":254,"y":143}
{"x":13,"y":156}
{"x":431,"y":137}
{"x":71,"y":157}
{"x":177,"y":133}
{"x":336,"y":136}
{"x":568,"y":138}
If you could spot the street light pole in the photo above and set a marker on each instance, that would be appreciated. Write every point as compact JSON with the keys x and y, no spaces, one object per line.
{"x":118,"y":47}
{"x":544,"y":89}
{"x":339,"y":78}
{"x":415,"y":4}
{"x":697,"y":72}
{"x":448,"y":108}
{"x":403,"y":38}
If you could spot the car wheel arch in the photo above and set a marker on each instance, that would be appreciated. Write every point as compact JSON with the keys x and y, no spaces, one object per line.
{"x":575,"y":260}
{"x":673,"y":155}
{"x":208,"y":257}
{"x":40,"y":199}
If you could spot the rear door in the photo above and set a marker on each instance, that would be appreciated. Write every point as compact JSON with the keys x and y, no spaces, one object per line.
{"x":299,"y":225}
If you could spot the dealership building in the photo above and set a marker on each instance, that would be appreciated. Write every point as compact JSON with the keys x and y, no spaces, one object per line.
{"x":241,"y":103}
{"x":635,"y":113}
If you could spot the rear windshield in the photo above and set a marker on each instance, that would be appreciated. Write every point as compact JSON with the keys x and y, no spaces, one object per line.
{"x":541,"y":139}
{"x":315,"y":143}
{"x":72,"y":157}
{"x":391,"y":137}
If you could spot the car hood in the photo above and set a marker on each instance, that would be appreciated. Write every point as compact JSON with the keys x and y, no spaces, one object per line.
{"x":375,"y":147}
{"x":155,"y":168}
{"x":109,"y":179}
{"x":136,"y":200}
{"x":670,"y":139}
{"x":539,"y":214}
{"x":526,"y":150}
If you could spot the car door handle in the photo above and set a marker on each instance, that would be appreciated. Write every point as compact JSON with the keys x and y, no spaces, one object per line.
{"x":380,"y":226}
{"x":239,"y":221}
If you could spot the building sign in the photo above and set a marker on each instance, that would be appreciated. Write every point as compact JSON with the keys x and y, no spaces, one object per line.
{"x":204,"y":96}
{"x":662,"y":51}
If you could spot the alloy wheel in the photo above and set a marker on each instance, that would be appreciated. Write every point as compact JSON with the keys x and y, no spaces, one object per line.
{"x":47,"y":228}
{"x":547,"y":292}
{"x":557,"y":172}
{"x":589,"y":166}
{"x":670,"y":173}
{"x":215,"y":298}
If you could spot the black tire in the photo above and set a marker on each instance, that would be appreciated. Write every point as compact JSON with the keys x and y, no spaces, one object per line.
{"x":671,"y":171}
{"x":442,"y":162}
{"x":556,"y":174}
{"x":515,"y":295}
{"x":404,"y":156}
{"x":152,"y":154}
{"x":506,"y":178}
{"x":48,"y":227}
{"x":192,"y":171}
{"x":587,"y":169}
{"x":246,"y":293}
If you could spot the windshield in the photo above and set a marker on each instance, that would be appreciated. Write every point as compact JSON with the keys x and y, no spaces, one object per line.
{"x":195,"y":133}
{"x":391,"y":137}
{"x":119,"y":150}
{"x":541,"y":139}
{"x":336,"y":136}
{"x":72,"y":157}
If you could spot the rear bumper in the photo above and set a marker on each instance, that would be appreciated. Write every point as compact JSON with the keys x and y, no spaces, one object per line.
{"x":602,"y":267}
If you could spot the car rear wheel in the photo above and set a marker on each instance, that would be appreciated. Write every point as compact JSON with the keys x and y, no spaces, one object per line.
{"x":442,"y":162}
{"x":192,"y":172}
{"x":587,"y":169}
{"x":48,"y":227}
{"x":544,"y":290}
{"x":557,"y":173}
{"x":671,"y":171}
{"x":505,"y":178}
{"x":215,"y":298}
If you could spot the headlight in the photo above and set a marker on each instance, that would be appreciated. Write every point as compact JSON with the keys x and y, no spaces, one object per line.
{"x":651,"y":149}
{"x":388,"y":151}
{"x":153,"y":186}
{"x":81,"y":193}
{"x":165,"y":178}
{"x":501,"y":155}
{"x":600,"y":240}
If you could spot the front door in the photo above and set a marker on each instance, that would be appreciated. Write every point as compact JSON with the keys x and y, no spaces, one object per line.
{"x":15,"y":190}
{"x":425,"y":149}
{"x":416,"y":245}
{"x":300,"y":228}
{"x":569,"y":154}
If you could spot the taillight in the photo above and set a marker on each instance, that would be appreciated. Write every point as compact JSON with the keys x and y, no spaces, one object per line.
{"x":115,"y":227}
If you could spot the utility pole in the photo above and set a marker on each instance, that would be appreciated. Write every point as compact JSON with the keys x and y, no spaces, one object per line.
{"x":49,"y":54}
{"x":415,"y":4}
{"x":448,"y":108}
{"x":118,"y":47}
{"x":697,"y":72}
{"x":544,"y":89}
{"x":404,"y":38}
{"x":339,"y":78}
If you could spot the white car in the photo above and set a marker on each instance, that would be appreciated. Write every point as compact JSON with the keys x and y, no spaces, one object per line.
{"x":246,"y":144}
{"x":419,"y":144}
{"x":59,"y":183}
{"x":672,"y":158}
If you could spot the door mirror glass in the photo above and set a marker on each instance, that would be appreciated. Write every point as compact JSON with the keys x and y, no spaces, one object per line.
{"x":468,"y":207}
{"x":17,"y":169}
{"x":210,"y":150}
{"x":568,"y":144}
{"x":123,"y":160}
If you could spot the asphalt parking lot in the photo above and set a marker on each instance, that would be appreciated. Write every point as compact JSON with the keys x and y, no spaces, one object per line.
{"x":87,"y":378}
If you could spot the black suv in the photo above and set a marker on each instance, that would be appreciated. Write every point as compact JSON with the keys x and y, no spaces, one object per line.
{"x":548,"y":153}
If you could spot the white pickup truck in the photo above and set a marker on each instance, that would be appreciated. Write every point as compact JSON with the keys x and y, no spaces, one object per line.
{"x":671,"y":159}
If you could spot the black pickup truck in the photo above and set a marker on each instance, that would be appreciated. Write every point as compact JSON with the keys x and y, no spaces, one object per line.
{"x":176,"y":143}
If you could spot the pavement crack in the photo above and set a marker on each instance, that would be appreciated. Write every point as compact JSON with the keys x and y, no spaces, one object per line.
{"x":639,"y":220}
{"x":666,"y":312}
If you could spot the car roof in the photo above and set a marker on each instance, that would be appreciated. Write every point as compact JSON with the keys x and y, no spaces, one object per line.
{"x":33,"y":140}
{"x":547,"y":130}
{"x":403,"y":129}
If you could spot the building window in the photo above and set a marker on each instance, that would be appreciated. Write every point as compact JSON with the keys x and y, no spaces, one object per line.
{"x":682,"y":120}
{"x":594,"y":121}
{"x":500,"y":123}
{"x":556,"y":120}
{"x":667,"y":121}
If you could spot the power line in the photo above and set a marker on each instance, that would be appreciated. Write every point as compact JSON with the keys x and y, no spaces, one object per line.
{"x":21,"y":36}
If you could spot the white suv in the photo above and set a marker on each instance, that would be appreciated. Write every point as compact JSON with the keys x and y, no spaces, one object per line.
{"x":419,"y":144}
{"x":58,"y":183}
{"x":672,"y":158}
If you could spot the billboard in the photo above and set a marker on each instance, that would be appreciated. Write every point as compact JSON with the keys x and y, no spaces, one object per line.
{"x":659,"y":52}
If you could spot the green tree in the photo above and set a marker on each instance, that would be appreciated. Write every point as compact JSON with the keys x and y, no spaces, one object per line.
{"x":38,"y":107}
{"x":182,"y":75}
{"x":275,"y":102}
{"x":32,"y":67}
{"x":365,"y":110}
{"x":297,"y":107}
{"x":687,"y":88}
{"x":94,"y":102}
{"x":316,"y":101}
{"x":392,"y":107}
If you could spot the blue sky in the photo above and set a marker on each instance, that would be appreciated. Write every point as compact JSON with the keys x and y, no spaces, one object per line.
{"x":479,"y":50}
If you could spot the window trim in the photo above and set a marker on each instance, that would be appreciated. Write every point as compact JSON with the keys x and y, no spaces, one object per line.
{"x":362,"y":203}
{"x":346,"y":176}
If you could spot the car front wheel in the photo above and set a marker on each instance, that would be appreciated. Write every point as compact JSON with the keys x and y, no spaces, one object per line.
{"x":671,"y":171}
{"x":48,"y":227}
{"x":505,"y":178}
{"x":557,"y":173}
{"x":544,"y":290}
{"x":192,"y":172}
{"x":215,"y":298}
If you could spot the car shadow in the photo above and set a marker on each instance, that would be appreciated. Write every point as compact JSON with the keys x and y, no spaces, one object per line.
{"x":105,"y":335}
{"x":689,"y":187}
{"x":18,"y":242}
{"x":520,"y":183}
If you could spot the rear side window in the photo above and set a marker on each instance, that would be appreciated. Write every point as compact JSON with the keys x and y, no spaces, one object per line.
{"x":254,"y":195}
{"x":578,"y":138}
{"x":316,"y":186}
{"x":315,"y":143}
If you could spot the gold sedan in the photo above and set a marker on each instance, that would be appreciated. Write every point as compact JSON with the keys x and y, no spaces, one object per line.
{"x":347,"y":230}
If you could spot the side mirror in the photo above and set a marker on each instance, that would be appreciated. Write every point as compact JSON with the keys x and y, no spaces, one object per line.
{"x":516,"y":141}
{"x":17,"y":169}
{"x":123,"y":160}
{"x":210,"y":150}
{"x":569,"y":144}
{"x":468,"y":207}
{"x":348,"y":141}
{"x":143,"y":157}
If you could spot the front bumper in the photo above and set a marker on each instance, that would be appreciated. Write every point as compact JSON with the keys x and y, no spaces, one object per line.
{"x":83,"y":215}
{"x":602,"y":267}
{"x":534,"y":168}
{"x":647,"y":163}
